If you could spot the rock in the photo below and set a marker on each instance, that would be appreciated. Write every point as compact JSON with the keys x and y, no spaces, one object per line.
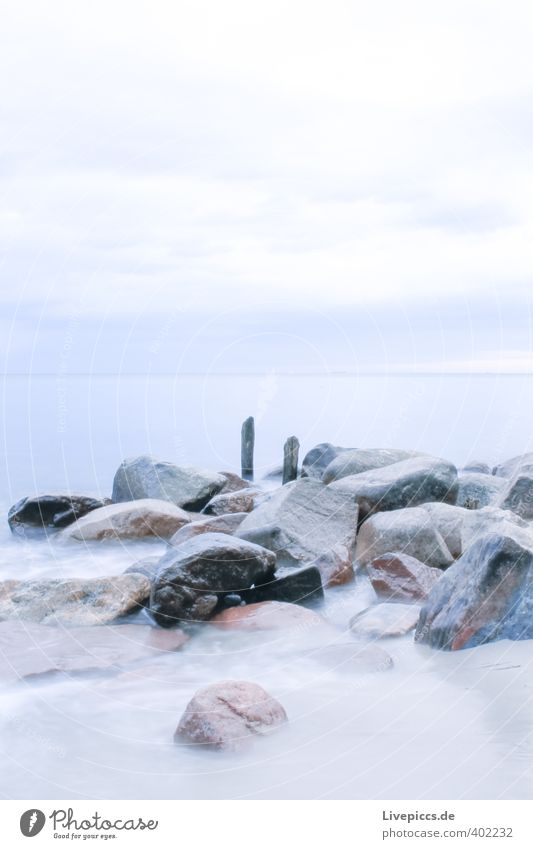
{"x":316,"y":461}
{"x":297,"y":586}
{"x":233,"y":483}
{"x":477,"y":523}
{"x":273,"y":474}
{"x":225,"y":524}
{"x":511,"y":467}
{"x":449,"y":521}
{"x":267,"y":616}
{"x":398,"y":577}
{"x":517,"y":494}
{"x":487,"y":595}
{"x":50,"y":511}
{"x":302,"y":521}
{"x":385,"y":620}
{"x":408,"y":531}
{"x":76,"y":602}
{"x":336,"y":566}
{"x":147,"y":566}
{"x":477,"y":466}
{"x":28,"y":650}
{"x":228,"y":715}
{"x":242,"y":501}
{"x":129,"y":520}
{"x":360,"y":460}
{"x":146,"y":477}
{"x":191,"y":577}
{"x":478,"y":490}
{"x":351,"y":657}
{"x":404,"y":484}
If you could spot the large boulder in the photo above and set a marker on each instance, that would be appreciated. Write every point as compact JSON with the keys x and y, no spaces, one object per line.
{"x":408,"y":531}
{"x":404,"y":484}
{"x":316,"y":461}
{"x":477,"y":490}
{"x":192,"y":577}
{"x":228,"y":715}
{"x":510,"y":467}
{"x":477,"y":466}
{"x":74,"y":602}
{"x":384,"y":620}
{"x":242,"y":501}
{"x":517,"y":494}
{"x":28,"y":650}
{"x":130,"y":520}
{"x":225,"y":524}
{"x":302,"y":521}
{"x":50,"y":511}
{"x":147,"y":477}
{"x":359,"y":460}
{"x":398,"y":577}
{"x":487,"y":595}
{"x":233,"y":482}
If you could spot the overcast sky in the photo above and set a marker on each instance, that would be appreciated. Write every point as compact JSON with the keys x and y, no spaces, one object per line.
{"x":253,"y":185}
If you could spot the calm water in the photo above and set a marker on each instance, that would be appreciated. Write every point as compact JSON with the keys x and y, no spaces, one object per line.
{"x":436,"y":726}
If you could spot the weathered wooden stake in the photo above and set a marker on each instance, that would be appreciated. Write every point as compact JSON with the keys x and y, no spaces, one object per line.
{"x":247,"y":449}
{"x":290,"y":459}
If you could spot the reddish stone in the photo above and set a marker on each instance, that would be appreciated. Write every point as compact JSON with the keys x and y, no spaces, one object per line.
{"x":399,"y":577}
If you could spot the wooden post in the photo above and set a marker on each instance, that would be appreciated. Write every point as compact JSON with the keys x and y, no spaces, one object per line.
{"x":247,"y":449}
{"x":290,"y":459}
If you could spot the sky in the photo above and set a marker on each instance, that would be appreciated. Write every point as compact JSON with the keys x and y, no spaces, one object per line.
{"x":266,"y":185}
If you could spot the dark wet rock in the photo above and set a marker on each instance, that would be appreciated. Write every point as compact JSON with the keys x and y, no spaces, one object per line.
{"x":231,"y":600}
{"x":51,"y":511}
{"x":385,"y":620}
{"x":517,"y":494}
{"x":242,"y":501}
{"x":147,"y":477}
{"x":74,"y":602}
{"x":477,"y":490}
{"x":193,"y":576}
{"x":297,"y":586}
{"x":408,"y":531}
{"x":486,"y":596}
{"x":302,"y":521}
{"x":399,"y":577}
{"x":316,"y":461}
{"x":268,"y":616}
{"x":225,"y":524}
{"x":228,"y":715}
{"x":478,"y":467}
{"x":28,"y":649}
{"x":511,"y":467}
{"x":360,"y":460}
{"x":408,"y":483}
{"x":130,"y":520}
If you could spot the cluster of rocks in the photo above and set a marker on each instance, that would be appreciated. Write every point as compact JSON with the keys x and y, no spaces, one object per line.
{"x":448,"y":553}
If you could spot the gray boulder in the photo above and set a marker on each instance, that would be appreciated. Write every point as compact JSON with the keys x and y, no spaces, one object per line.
{"x":146,"y":517}
{"x":147,"y":477}
{"x":359,"y":460}
{"x":316,"y":461}
{"x":486,"y":595}
{"x":302,"y":521}
{"x":225,"y":524}
{"x":242,"y":501}
{"x":191,"y":578}
{"x":88,"y":601}
{"x":409,"y":531}
{"x":404,"y":484}
{"x":517,"y":494}
{"x":510,"y":467}
{"x":50,"y":511}
{"x":477,"y":490}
